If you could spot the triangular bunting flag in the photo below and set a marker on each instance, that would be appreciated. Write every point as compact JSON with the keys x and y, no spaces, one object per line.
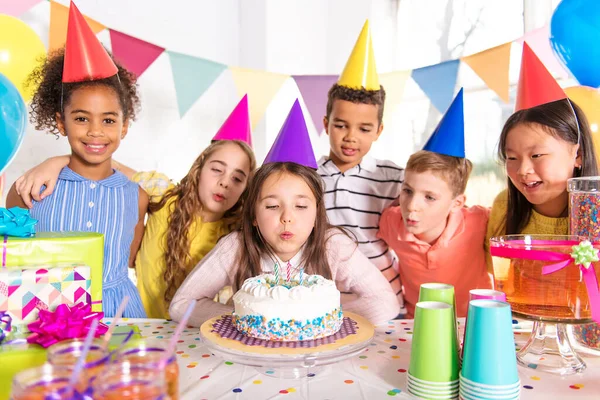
{"x":538,"y":40}
{"x":260,"y":86}
{"x":135,"y":54}
{"x":16,"y":8}
{"x":492,"y":67}
{"x":59,"y":15}
{"x":314,"y":89}
{"x":393,"y":83}
{"x":438,"y":81}
{"x":192,"y":77}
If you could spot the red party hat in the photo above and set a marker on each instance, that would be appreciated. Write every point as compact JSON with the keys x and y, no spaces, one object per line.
{"x":536,"y":85}
{"x":85,"y":57}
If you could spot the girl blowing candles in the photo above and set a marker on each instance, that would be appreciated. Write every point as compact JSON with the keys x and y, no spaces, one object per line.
{"x":284,"y":221}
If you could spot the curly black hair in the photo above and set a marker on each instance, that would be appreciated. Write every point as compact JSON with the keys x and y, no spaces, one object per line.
{"x":46,"y":78}
{"x":357,"y":96}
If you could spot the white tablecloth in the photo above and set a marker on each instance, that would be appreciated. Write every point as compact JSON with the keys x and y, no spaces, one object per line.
{"x":377,"y":373}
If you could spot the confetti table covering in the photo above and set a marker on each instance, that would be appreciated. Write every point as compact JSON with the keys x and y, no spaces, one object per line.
{"x":377,"y":373}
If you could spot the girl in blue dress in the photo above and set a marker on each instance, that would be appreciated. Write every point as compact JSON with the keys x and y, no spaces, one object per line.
{"x":93,"y":112}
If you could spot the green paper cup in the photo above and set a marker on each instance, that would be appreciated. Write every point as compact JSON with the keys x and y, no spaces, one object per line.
{"x":434,"y":351}
{"x":434,"y":392}
{"x":430,"y":396}
{"x":437,"y":292}
{"x":431,"y":385}
{"x":444,"y":293}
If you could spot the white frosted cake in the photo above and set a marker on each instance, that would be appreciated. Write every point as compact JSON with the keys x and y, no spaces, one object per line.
{"x":287,"y":311}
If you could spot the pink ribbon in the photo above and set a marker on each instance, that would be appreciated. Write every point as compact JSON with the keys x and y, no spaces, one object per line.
{"x":562,"y":260}
{"x":64,"y":323}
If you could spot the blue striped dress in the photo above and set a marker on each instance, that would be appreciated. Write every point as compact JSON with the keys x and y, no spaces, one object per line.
{"x":110,"y":207}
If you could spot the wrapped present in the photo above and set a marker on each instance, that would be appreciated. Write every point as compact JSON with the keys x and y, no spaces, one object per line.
{"x":15,"y":358}
{"x":27,"y":289}
{"x":124,"y":333}
{"x":82,"y":248}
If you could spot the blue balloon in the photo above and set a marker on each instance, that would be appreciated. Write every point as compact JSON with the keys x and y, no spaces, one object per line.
{"x":575,"y":38}
{"x":13,"y":120}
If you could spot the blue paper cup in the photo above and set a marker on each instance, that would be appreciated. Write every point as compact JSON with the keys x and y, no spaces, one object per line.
{"x":478,"y":387}
{"x":464,"y":394}
{"x":489,"y":349}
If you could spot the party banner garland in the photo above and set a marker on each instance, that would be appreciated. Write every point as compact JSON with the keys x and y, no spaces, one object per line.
{"x":194,"y":75}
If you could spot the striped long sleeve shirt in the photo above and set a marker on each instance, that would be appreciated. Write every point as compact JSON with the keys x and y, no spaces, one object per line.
{"x":356,"y":199}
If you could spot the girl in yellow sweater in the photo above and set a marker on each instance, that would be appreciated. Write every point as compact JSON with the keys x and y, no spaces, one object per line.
{"x":543,"y":144}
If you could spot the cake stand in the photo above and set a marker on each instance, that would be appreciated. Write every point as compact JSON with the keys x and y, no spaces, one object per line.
{"x":290,"y":363}
{"x":551,"y":300}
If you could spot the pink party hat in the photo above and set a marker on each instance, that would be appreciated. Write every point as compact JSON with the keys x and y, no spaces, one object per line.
{"x":237,"y":125}
{"x":293,"y":143}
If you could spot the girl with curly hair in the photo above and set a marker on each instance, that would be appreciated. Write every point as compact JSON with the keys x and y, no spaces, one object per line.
{"x":93,"y":112}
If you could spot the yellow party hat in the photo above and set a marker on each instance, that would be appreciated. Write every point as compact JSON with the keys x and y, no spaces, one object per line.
{"x":360,"y":70}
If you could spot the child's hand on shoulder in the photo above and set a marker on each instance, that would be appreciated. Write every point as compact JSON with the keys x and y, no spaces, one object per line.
{"x":29,"y":185}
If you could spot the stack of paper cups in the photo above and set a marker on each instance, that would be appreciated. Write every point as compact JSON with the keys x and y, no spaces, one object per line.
{"x":489,"y":369}
{"x":481,"y":294}
{"x":444,"y":293}
{"x":434,"y":371}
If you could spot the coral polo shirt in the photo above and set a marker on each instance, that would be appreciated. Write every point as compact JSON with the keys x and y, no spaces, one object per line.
{"x":456,"y":258}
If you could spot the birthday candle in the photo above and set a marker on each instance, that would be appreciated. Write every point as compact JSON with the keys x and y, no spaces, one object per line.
{"x":289,"y":271}
{"x":276,"y":273}
{"x":300,"y":279}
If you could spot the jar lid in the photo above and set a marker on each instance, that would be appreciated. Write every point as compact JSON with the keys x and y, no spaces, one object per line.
{"x":589,"y":184}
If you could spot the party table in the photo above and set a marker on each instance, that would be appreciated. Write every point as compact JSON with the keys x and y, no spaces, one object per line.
{"x":377,"y":373}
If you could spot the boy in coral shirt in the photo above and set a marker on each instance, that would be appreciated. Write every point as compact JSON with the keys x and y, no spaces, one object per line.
{"x":437,"y":238}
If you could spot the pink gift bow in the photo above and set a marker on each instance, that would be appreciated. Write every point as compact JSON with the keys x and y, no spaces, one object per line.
{"x":67,"y":322}
{"x":563,"y":260}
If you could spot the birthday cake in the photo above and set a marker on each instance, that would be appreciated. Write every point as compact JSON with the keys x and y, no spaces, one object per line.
{"x":305,"y":307}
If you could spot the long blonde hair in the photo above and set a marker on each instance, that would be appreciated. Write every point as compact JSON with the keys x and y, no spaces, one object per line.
{"x":186,"y":206}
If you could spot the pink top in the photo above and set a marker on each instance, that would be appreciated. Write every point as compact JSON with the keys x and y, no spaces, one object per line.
{"x":456,"y":258}
{"x":372,"y":296}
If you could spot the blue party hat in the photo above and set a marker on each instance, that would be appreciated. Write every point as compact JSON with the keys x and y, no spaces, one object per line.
{"x":449,"y":136}
{"x":293,"y":143}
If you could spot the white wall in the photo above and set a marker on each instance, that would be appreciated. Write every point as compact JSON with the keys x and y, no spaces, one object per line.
{"x":290,"y":36}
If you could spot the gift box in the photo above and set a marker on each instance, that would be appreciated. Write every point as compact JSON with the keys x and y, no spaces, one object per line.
{"x":122,"y":333}
{"x":17,"y":358}
{"x":27,"y":289}
{"x":83,"y":248}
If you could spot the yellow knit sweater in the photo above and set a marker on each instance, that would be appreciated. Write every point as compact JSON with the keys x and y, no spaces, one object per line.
{"x":538,"y":224}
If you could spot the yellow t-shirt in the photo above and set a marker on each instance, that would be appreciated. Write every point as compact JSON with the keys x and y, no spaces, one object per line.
{"x":150,"y":261}
{"x":538,"y":224}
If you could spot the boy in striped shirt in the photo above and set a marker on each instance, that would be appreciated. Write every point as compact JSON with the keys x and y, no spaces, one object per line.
{"x":357,"y":187}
